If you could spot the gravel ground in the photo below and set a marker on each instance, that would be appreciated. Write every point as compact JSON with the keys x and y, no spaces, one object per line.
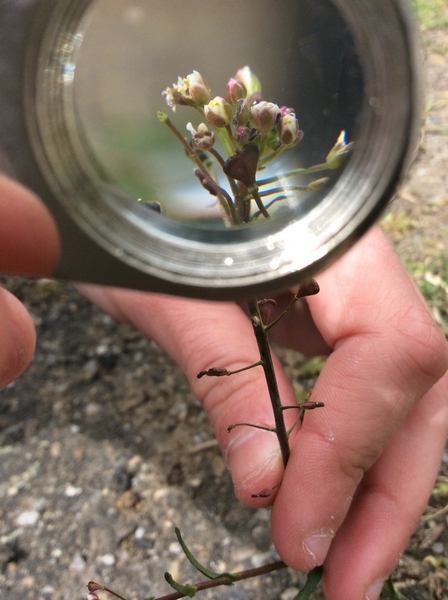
{"x":104,"y":450}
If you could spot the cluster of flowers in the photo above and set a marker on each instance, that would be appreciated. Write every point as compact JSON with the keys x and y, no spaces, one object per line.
{"x":252,"y":132}
{"x":243,"y":113}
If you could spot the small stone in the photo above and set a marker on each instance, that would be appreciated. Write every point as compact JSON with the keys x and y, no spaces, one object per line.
{"x":71,"y":491}
{"x":77,"y":563}
{"x":92,"y":409}
{"x":28,"y":518}
{"x":48,"y":590}
{"x":438,"y":548}
{"x":259,"y":559}
{"x":108,"y":560}
{"x":289,"y":593}
{"x":175,"y":548}
{"x":128,"y":499}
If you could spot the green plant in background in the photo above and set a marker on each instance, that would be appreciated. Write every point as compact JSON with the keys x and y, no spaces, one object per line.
{"x":431,"y":14}
{"x":431,"y":277}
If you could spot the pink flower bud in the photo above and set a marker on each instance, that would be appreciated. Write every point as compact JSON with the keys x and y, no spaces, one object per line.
{"x":288,"y":129}
{"x":264,"y":116}
{"x":242,"y":135}
{"x":236,"y":90}
{"x":218,"y":112}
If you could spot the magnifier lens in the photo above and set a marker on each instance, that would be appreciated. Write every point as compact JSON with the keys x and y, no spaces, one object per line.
{"x":303,"y":56}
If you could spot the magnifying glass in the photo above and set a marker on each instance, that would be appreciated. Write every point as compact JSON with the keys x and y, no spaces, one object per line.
{"x":80,"y":93}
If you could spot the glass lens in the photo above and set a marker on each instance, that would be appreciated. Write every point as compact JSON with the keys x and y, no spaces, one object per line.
{"x":307,"y":100}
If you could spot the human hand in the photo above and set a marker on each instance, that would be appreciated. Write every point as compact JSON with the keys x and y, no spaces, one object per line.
{"x":29,"y":245}
{"x":362,"y":468}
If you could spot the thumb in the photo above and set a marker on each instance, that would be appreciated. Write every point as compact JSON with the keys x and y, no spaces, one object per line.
{"x":200,"y":335}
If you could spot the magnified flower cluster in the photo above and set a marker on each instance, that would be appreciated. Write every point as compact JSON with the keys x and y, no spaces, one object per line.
{"x":252,"y":132}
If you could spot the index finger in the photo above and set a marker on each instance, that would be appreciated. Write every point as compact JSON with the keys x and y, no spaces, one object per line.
{"x":29,"y":241}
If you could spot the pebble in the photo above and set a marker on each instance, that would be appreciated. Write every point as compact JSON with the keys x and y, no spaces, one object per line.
{"x":108,"y":560}
{"x":289,"y":593}
{"x":28,"y":518}
{"x":71,"y":491}
{"x":438,"y":548}
{"x":77,"y":563}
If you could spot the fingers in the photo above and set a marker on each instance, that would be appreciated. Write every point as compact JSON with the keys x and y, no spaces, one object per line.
{"x":200,"y":335}
{"x":17,"y":340}
{"x":389,"y":502}
{"x":28,"y":236}
{"x":29,"y":245}
{"x":388,"y":354}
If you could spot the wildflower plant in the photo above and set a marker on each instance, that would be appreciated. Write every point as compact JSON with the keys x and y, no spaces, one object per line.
{"x":252,"y":133}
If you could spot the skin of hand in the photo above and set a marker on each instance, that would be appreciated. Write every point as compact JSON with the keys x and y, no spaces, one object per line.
{"x":362,"y":468}
{"x":29,"y":244}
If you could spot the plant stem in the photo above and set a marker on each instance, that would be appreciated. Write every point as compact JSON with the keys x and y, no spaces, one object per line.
{"x":204,"y":585}
{"x":293,"y":172}
{"x":271,"y":380}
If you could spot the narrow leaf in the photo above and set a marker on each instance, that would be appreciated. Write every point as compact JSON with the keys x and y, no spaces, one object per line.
{"x":312,"y":580}
{"x":187,"y":590}
{"x":196,"y":564}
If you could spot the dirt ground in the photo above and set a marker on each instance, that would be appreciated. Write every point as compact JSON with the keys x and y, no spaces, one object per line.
{"x":104,"y":450}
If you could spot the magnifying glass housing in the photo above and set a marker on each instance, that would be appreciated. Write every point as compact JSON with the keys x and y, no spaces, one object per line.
{"x":108,"y":238}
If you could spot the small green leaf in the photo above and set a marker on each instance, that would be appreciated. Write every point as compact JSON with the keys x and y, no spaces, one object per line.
{"x":312,"y":581}
{"x":196,"y":564}
{"x":187,"y":590}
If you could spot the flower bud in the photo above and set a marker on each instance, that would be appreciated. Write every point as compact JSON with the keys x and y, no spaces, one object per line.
{"x":218,"y":112}
{"x":288,"y":129}
{"x":249,"y":80}
{"x":264,"y":116}
{"x":198,"y":88}
{"x":242,"y":135}
{"x":241,"y":113}
{"x":203,"y":138}
{"x":235,"y":90}
{"x":339,"y":152}
{"x":318,"y":184}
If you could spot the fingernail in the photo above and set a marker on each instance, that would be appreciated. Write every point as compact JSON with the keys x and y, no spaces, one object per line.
{"x":374,"y":591}
{"x":316,"y":548}
{"x":249,"y":456}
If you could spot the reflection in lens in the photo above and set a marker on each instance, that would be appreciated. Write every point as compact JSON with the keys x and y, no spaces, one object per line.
{"x":302,"y":54}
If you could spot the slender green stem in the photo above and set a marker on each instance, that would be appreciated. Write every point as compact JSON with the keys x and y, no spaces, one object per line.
{"x":281,"y":315}
{"x":255,"y":195}
{"x":262,"y":427}
{"x":223,"y":196}
{"x":271,"y":380}
{"x":279,"y":190}
{"x":309,"y":171}
{"x":273,"y":155}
